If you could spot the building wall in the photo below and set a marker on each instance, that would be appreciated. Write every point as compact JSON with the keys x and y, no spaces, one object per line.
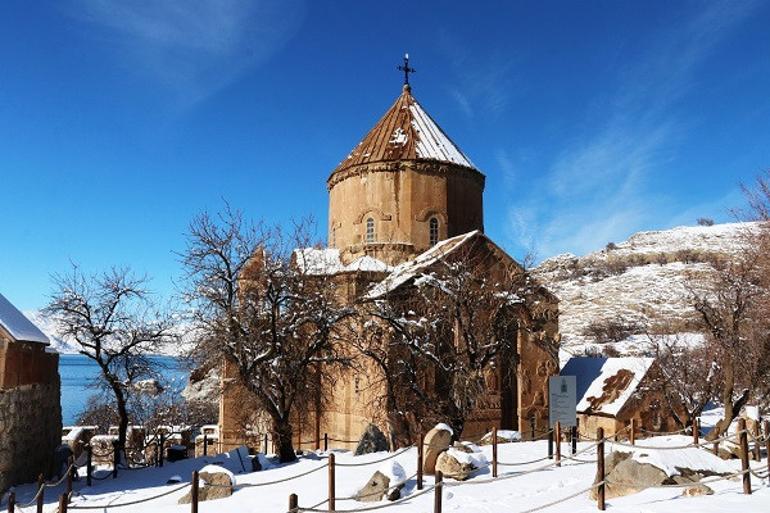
{"x":401,"y":198}
{"x":30,"y":411}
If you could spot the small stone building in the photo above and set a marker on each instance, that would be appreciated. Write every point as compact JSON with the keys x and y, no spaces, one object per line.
{"x":404,"y":197}
{"x":30,"y":411}
{"x":612,"y":391}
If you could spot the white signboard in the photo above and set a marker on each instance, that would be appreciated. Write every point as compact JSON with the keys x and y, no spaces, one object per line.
{"x":562,"y":401}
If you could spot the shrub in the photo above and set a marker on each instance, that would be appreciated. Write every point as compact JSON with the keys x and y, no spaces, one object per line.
{"x":608,"y":331}
{"x":705,"y":221}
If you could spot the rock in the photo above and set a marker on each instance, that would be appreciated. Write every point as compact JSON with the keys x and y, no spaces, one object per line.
{"x":256,"y":465}
{"x":697,"y":490}
{"x":464,"y":447}
{"x":451,"y":467}
{"x":436,"y":441}
{"x":217,"y":484}
{"x":174,"y":479}
{"x":176,"y":453}
{"x":375,"y":488}
{"x":373,"y":440}
{"x":395,"y":493}
{"x":628,"y":476}
{"x":503,"y":436}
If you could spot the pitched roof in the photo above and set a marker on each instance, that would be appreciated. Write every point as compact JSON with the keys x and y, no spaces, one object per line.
{"x":604,"y":385}
{"x":406,"y":132}
{"x":17,"y":325}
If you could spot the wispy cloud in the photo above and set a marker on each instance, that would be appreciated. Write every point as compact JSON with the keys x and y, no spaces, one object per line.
{"x":193,"y":47}
{"x":598,"y":189}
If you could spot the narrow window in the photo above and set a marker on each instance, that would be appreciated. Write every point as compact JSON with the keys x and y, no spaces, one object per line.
{"x":370,"y":230}
{"x":433,"y":225}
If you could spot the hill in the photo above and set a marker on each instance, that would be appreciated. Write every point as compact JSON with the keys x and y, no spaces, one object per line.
{"x":611,"y":299}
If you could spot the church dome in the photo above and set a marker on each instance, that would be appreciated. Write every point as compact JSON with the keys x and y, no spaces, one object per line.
{"x":403,"y":188}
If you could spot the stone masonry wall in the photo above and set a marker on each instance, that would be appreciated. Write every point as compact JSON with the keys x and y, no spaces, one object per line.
{"x":30,"y":431}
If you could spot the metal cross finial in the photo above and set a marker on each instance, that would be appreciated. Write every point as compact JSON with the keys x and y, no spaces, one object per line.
{"x":406,"y":69}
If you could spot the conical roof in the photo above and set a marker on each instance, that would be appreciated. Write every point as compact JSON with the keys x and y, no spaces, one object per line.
{"x":405,"y":132}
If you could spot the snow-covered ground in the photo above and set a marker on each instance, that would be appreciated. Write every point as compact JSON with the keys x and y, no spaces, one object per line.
{"x":515,"y":491}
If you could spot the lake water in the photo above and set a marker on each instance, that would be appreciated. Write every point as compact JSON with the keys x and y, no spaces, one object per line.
{"x":78,"y":373}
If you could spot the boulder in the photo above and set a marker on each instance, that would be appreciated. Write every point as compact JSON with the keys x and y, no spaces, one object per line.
{"x":218,"y":483}
{"x":626,"y":476}
{"x":436,"y":441}
{"x":697,"y":490}
{"x":375,"y":488}
{"x":450,"y":466}
{"x":373,"y":440}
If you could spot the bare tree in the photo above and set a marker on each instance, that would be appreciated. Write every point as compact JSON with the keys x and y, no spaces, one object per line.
{"x":111,"y":318}
{"x":456,"y":323}
{"x":272,"y":318}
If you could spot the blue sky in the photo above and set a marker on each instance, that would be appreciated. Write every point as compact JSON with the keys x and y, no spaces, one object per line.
{"x":592,"y":120}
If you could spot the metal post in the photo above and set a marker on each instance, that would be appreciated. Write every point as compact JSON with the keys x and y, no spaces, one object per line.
{"x":494,"y":452}
{"x":767,"y":444}
{"x":557,"y":438}
{"x":326,"y":442}
{"x":293,"y":503}
{"x":206,"y":444}
{"x":332,"y":484}
{"x":420,"y":448}
{"x":574,"y":439}
{"x":194,"y":493}
{"x":162,"y":448}
{"x":41,"y":495}
{"x":438,"y":492}
{"x":12,"y":502}
{"x":89,"y":465}
{"x":70,"y":469}
{"x":63,"y":503}
{"x":600,"y":503}
{"x":744,"y":440}
{"x":264,"y":449}
{"x":550,"y":444}
{"x":632,"y":433}
{"x":115,"y":459}
{"x":532,"y":426}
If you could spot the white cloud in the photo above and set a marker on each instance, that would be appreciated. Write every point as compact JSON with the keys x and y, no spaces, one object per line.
{"x":194,"y":47}
{"x":599,"y":188}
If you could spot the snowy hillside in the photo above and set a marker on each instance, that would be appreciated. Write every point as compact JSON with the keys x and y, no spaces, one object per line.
{"x":46,"y":326}
{"x":638,"y":285}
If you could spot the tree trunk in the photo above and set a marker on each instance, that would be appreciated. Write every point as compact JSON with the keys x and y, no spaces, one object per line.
{"x":282,"y":432}
{"x":123,"y":420}
{"x":732,"y":407}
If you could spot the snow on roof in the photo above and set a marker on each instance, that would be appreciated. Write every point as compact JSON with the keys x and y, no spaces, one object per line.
{"x":606,"y":383}
{"x":318,"y":261}
{"x":367,"y":263}
{"x":17,"y":325}
{"x":411,"y":268}
{"x":406,"y":132}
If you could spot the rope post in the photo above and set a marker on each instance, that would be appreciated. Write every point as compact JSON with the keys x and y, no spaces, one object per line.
{"x":12,"y":502}
{"x":557,"y":438}
{"x":194,"y":492}
{"x":715,"y":449}
{"x":550,"y":444}
{"x":63,"y":503}
{"x":600,"y":503}
{"x":767,"y":444}
{"x":115,"y":459}
{"x":332,"y":484}
{"x":757,"y":448}
{"x":574,"y":439}
{"x":438,"y":492}
{"x":89,"y":464}
{"x":695,"y":431}
{"x":532,"y":426}
{"x":264,"y":449}
{"x":162,"y":448}
{"x":326,"y":442}
{"x":744,"y":440}
{"x":632,"y":432}
{"x":206,"y":445}
{"x":420,"y":449}
{"x":494,"y":452}
{"x":41,"y":495}
{"x":293,"y":502}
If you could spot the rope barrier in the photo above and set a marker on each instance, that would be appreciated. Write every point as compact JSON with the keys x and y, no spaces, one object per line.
{"x":389,"y":457}
{"x":372,"y":508}
{"x":563,"y":499}
{"x":132,"y":503}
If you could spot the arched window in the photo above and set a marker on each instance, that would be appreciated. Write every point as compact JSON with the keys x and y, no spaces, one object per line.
{"x":433,"y":227}
{"x":370,"y":230}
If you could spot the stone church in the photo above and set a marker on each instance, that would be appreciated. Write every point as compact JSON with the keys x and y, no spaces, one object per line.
{"x":405,"y":197}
